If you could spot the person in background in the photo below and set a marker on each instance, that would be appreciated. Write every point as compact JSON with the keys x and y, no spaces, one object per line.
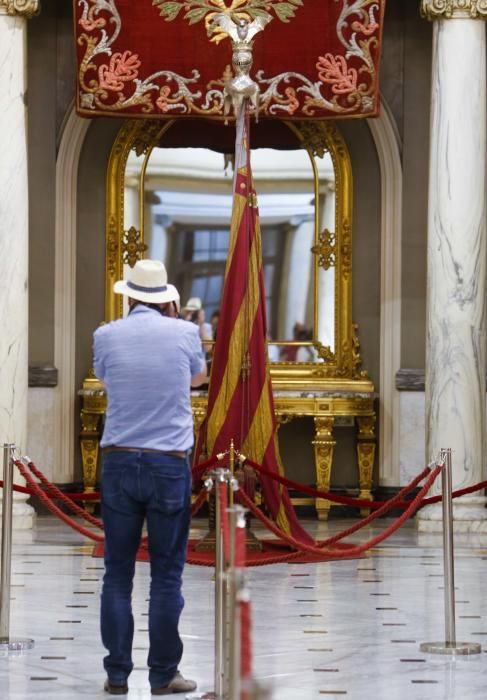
{"x":215,"y":317}
{"x":147,"y":361}
{"x":194,"y":312}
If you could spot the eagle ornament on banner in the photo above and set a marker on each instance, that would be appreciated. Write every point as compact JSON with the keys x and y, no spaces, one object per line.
{"x":166,"y":58}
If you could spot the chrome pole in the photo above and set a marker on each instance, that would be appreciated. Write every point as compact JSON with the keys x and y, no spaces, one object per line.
{"x":450,"y":645}
{"x":448,"y":569}
{"x":219,"y":593}
{"x":6,"y":643}
{"x":237,"y":520}
{"x":6,"y":543}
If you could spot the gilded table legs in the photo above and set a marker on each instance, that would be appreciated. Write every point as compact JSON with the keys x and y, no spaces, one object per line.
{"x":366,"y":457}
{"x":90,"y":441}
{"x":324,"y":445}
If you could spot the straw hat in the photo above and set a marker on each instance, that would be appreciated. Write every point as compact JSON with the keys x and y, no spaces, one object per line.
{"x":193,"y":304}
{"x":147,"y":281}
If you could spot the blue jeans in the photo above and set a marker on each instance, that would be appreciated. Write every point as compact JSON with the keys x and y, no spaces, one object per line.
{"x":138,"y":485}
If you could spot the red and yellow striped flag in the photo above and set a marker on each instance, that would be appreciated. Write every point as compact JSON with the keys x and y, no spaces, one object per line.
{"x":240,"y":400}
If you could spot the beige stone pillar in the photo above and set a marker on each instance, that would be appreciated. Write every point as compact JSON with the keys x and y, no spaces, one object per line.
{"x":14,"y":234}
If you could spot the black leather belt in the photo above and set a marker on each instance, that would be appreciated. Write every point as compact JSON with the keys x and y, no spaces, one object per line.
{"x":181,"y":454}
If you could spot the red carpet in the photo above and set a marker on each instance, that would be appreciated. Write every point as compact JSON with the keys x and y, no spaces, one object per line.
{"x":273,"y":552}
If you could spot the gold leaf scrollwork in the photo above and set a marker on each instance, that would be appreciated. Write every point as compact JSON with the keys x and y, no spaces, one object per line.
{"x":132,"y":246}
{"x":112,"y":246}
{"x":454,"y":9}
{"x":27,"y":8}
{"x":326,"y":249}
{"x":146,"y":136}
{"x":313,"y":138}
{"x":325,"y":352}
{"x":346,"y":249}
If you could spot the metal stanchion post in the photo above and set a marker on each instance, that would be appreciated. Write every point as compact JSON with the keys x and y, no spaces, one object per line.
{"x":450,"y":645}
{"x":237,"y":520}
{"x":216,"y":478}
{"x":6,"y":643}
{"x":219,"y":593}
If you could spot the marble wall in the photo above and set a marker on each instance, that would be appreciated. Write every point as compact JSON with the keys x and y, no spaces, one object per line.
{"x":41,"y":428}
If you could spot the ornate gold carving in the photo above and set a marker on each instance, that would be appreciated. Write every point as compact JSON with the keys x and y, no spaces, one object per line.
{"x":147,"y":137}
{"x":346,"y":249}
{"x":326,"y":249}
{"x":454,"y":9}
{"x":366,"y":456}
{"x":27,"y":8}
{"x":324,"y":445}
{"x":132,"y":247}
{"x":94,"y":404}
{"x":112,"y":246}
{"x":313,"y":137}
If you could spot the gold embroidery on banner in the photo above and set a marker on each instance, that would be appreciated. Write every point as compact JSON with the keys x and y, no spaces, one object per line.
{"x":118,"y":83}
{"x":199,"y":10}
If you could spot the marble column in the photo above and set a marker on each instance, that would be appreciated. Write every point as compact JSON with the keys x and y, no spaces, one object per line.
{"x":14,"y":234}
{"x":456,"y":285}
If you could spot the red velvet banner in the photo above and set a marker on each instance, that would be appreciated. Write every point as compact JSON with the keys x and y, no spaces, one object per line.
{"x":164,"y":58}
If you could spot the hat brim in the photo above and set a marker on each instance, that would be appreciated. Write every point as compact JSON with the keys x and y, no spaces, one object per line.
{"x":169,"y":294}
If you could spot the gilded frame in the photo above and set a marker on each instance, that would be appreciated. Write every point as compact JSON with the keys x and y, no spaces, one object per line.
{"x":339,"y":369}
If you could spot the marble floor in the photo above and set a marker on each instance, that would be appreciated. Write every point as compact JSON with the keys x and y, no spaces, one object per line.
{"x":343,"y":629}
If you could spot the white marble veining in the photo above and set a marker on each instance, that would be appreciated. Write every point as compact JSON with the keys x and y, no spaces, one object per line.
{"x":41,"y":429}
{"x":14,"y":244}
{"x":353,"y":627}
{"x":411,"y":435}
{"x":456,"y":289}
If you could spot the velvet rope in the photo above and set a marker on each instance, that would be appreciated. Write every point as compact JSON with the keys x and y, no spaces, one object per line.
{"x":198,"y":469}
{"x":52,"y":507}
{"x":88,"y":496}
{"x":245,"y":642}
{"x":385,"y":508}
{"x":54,"y":492}
{"x":358,"y":502}
{"x":335,"y":553}
{"x":198,"y":502}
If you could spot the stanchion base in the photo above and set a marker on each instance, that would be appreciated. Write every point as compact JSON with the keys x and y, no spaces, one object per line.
{"x":452,"y":649}
{"x":15,"y":644}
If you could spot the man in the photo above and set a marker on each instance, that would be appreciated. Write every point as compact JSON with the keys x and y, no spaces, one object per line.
{"x":147,"y":361}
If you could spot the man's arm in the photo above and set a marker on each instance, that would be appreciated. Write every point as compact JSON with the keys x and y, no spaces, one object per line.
{"x":201,"y":377}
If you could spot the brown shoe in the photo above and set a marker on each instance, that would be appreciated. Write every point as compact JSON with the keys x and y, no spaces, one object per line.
{"x":115,"y":689}
{"x":177,"y":685}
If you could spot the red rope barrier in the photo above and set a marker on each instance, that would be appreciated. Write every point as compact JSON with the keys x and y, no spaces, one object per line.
{"x":198,"y":502}
{"x":387,"y":506}
{"x":52,"y":507}
{"x":338,"y":554}
{"x":245,"y":642}
{"x":357,"y":502}
{"x":87,"y":496}
{"x":198,"y":469}
{"x":54,"y":492}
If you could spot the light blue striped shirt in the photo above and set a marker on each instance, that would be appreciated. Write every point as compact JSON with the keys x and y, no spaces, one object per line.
{"x":146,"y":362}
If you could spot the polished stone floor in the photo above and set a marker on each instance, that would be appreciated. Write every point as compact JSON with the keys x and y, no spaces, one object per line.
{"x":343,"y":629}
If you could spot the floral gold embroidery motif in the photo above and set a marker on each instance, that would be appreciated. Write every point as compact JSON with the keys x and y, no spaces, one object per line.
{"x":112,"y":77}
